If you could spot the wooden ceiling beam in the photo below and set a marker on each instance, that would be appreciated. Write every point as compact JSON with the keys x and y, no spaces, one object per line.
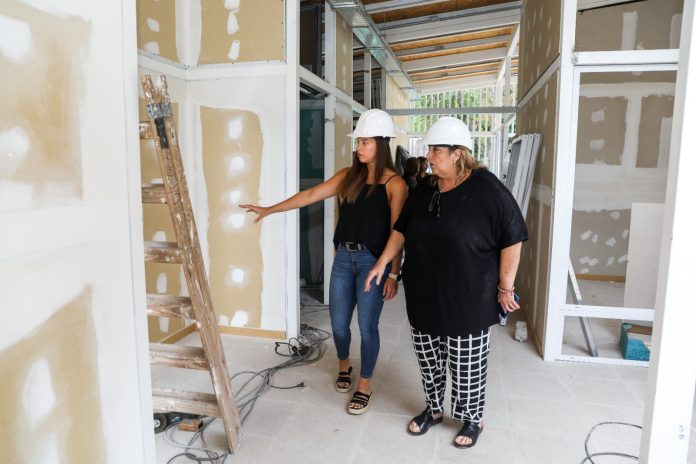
{"x":478,"y":35}
{"x":430,"y":9}
{"x":453,"y":51}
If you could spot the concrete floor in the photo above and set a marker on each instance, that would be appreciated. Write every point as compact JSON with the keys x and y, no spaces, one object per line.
{"x":536,"y":412}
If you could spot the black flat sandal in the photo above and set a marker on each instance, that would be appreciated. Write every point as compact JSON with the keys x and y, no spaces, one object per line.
{"x":344,"y":378}
{"x":424,"y":421}
{"x":469,"y":430}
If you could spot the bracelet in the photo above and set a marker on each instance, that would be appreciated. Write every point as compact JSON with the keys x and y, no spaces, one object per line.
{"x":505,"y":290}
{"x":394,"y":276}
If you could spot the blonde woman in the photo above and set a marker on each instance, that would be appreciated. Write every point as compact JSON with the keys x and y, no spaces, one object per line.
{"x":463,"y":233}
{"x":371,"y":196}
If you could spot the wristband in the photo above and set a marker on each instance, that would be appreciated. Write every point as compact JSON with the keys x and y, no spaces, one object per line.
{"x":505,"y":290}
{"x":396,"y":277}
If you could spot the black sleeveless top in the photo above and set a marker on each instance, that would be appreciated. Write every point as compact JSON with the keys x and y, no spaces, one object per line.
{"x":367,"y":221}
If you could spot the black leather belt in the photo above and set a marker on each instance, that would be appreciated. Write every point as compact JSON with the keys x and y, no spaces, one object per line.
{"x":353,"y":246}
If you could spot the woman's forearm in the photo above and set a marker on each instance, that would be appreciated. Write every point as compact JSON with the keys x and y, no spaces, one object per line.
{"x":393,"y":248}
{"x":509,"y":262}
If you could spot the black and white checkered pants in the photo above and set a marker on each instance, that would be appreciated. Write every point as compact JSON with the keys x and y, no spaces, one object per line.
{"x":467,"y":360}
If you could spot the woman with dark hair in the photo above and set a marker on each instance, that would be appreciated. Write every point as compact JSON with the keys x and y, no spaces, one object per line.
{"x":411,"y":173}
{"x":463,"y":233}
{"x":370,"y":196}
{"x":422,"y":170}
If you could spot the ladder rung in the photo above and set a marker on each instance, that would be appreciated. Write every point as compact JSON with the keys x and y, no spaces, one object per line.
{"x":166,"y":400}
{"x":145,"y":130}
{"x":186,"y":357}
{"x":162,"y":252}
{"x":170,"y":306}
{"x":154,"y":193}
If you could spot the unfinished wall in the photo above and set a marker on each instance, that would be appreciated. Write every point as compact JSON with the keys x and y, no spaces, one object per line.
{"x":344,"y":56}
{"x":70,"y":375}
{"x":539,"y":116}
{"x":236,"y":31}
{"x":540,"y":38}
{"x":232,"y":133}
{"x":240,"y":150}
{"x":398,"y":99}
{"x":644,"y":25}
{"x":624,"y":124}
{"x":157,"y":28}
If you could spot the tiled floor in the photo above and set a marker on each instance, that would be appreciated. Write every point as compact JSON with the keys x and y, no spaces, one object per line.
{"x":536,"y":412}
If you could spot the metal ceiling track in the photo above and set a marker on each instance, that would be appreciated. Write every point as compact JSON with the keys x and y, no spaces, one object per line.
{"x":356,"y":16}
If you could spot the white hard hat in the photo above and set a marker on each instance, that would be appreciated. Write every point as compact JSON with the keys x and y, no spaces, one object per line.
{"x":448,"y":131}
{"x":374,"y":123}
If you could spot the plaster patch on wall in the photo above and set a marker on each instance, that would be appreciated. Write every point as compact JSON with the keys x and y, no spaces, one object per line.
{"x":232,"y":23}
{"x":595,"y":237}
{"x":234,"y":221}
{"x":240,"y":319}
{"x":584,"y":270}
{"x":615,"y":215}
{"x":235,"y":163}
{"x":40,"y":139}
{"x":162,"y":283}
{"x":14,"y":145}
{"x":152,"y":47}
{"x":234,"y":197}
{"x":675,"y":30}
{"x":628,"y":31}
{"x":610,"y":261}
{"x":597,"y":116}
{"x":153,"y":25}
{"x":233,"y":54}
{"x":623,"y":258}
{"x":159,"y":236}
{"x":624,"y":235}
{"x":585,"y":235}
{"x":596,"y":144}
{"x":235,"y":128}
{"x":164,"y":324}
{"x":611,"y":242}
{"x":235,"y":276}
{"x":38,"y":396}
{"x":223,"y":320}
{"x":15,"y":38}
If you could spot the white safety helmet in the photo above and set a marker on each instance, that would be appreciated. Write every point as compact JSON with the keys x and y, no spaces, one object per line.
{"x":374,"y":123}
{"x":448,"y":131}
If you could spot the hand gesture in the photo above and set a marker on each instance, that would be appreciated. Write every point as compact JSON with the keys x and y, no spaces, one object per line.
{"x":378,"y":272}
{"x":391,"y":288}
{"x":261,"y":211}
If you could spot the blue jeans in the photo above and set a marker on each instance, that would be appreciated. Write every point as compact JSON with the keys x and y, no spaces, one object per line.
{"x":348,"y":274}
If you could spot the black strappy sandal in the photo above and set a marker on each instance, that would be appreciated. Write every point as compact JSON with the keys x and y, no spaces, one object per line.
{"x":345,"y":379}
{"x":361,"y":399}
{"x":424,"y":421}
{"x":469,"y":430}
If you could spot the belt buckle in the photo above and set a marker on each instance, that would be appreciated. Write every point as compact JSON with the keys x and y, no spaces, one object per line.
{"x":353,"y":246}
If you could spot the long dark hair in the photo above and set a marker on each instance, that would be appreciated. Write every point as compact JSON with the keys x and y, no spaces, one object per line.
{"x":356,"y":179}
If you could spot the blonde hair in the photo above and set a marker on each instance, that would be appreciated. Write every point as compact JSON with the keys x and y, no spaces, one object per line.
{"x":466,"y":165}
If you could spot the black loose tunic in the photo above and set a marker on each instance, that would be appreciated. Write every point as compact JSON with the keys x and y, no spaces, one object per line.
{"x":451,"y":269}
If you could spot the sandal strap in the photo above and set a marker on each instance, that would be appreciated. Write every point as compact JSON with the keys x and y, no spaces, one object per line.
{"x":470,"y":430}
{"x":345,"y":373}
{"x":360,"y":398}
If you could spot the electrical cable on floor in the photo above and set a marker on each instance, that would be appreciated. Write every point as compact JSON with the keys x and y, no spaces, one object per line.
{"x":588,"y":456}
{"x":307,"y":348}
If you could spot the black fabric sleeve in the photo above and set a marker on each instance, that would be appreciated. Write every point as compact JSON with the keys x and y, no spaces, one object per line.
{"x":401,"y":223}
{"x":511,"y":227}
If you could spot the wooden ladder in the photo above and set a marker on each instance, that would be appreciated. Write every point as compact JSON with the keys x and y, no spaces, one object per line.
{"x":187,"y":252}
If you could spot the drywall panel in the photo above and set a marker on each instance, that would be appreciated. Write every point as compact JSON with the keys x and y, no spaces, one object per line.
{"x":643,"y":255}
{"x":55,"y":417}
{"x":644,"y":25}
{"x":157,"y":28}
{"x":344,"y":129}
{"x":624,"y":126}
{"x":74,"y":317}
{"x":237,"y":31}
{"x":232,"y":153}
{"x":344,"y":56}
{"x":540,"y":39}
{"x":239,"y":157}
{"x":41,"y":78}
{"x":539,"y":116}
{"x":398,"y":99}
{"x":602,"y":122}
